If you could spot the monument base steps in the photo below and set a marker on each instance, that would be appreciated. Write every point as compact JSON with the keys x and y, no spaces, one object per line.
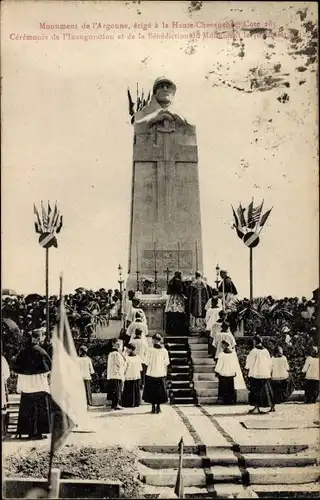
{"x":268,"y":473}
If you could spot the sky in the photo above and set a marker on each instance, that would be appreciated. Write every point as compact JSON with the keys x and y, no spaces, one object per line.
{"x":66,"y":135}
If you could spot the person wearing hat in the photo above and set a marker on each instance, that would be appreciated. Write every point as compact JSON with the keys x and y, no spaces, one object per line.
{"x":258,"y":364}
{"x":227,"y":289}
{"x":33,"y":366}
{"x":131,"y":396}
{"x":160,"y":107}
{"x":87,"y":371}
{"x":226,"y":371}
{"x":157,"y":362}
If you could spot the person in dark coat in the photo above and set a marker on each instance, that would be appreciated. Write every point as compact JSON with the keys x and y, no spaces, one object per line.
{"x":175,"y":307}
{"x":198,"y":298}
{"x":33,"y":366}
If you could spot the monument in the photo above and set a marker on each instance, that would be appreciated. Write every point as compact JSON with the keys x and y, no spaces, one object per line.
{"x":165,"y":224}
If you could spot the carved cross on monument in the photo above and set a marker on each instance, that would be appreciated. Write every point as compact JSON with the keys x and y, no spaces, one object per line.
{"x":167,"y":271}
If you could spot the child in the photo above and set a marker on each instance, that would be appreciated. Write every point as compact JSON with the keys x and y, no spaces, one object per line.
{"x":86,"y":372}
{"x":141,"y":346}
{"x":115,"y":374}
{"x":212,"y":325}
{"x":157,"y":361}
{"x":311,"y":383}
{"x":223,"y":334}
{"x":258,"y":364}
{"x":226,"y":370}
{"x":131,"y":392}
{"x":137,"y":323}
{"x":280,"y":376}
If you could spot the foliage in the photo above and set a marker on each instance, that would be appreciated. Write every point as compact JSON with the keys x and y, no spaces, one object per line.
{"x":260,"y":316}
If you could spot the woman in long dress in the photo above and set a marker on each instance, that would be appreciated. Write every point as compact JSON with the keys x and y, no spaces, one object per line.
{"x":131,"y":392}
{"x":280,"y":378}
{"x":157,"y":361}
{"x":33,"y":366}
{"x":258,"y":365}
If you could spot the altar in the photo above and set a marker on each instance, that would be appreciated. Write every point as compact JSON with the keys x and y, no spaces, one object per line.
{"x":153,"y":306}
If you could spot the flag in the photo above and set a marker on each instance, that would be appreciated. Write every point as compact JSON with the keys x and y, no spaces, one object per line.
{"x":59,"y":227}
{"x":264,"y":218}
{"x":37,"y":228}
{"x":256,"y":213}
{"x":44,"y":216}
{"x":39,"y":222}
{"x":240,"y":212}
{"x":179,"y":487}
{"x":250,"y":212}
{"x":131,"y":103}
{"x":67,"y":388}
{"x":237,"y":225}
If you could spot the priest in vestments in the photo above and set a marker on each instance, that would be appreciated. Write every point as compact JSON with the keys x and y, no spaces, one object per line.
{"x":198,"y":297}
{"x":227,"y":290}
{"x":33,"y":366}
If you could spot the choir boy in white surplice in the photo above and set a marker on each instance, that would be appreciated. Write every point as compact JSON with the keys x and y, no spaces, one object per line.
{"x":226,"y":370}
{"x":131,"y":396}
{"x":157,"y":362}
{"x":115,"y":375}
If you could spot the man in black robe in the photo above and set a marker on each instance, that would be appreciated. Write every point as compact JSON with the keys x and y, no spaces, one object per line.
{"x":198,"y":297}
{"x":226,"y":288}
{"x":33,"y":366}
{"x":175,"y":307}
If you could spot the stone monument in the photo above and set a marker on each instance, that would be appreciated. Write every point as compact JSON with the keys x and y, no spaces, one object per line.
{"x":165,"y":225}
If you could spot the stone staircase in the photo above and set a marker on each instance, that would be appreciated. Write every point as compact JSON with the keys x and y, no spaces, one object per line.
{"x":180,"y":374}
{"x":220,"y":474}
{"x":204,"y":379}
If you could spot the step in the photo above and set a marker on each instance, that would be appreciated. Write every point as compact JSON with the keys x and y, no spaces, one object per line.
{"x":284,"y":475}
{"x":205,"y":384}
{"x":199,"y":354}
{"x":202,"y":400}
{"x":180,"y":369}
{"x":181,"y":393}
{"x":179,"y":354}
{"x":199,"y":347}
{"x":278,"y":460}
{"x":203,"y":368}
{"x":191,"y":477}
{"x":180,"y":377}
{"x":183,"y":401}
{"x":180,"y":384}
{"x":202,"y":361}
{"x":171,"y":460}
{"x":207,"y":393}
{"x":197,"y":340}
{"x":180,"y":361}
{"x":205,"y":377}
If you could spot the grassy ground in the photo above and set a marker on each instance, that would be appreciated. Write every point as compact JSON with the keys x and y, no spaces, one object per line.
{"x":114,"y":463}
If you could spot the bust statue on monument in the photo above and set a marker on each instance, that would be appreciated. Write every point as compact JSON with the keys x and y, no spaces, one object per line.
{"x":160,"y":107}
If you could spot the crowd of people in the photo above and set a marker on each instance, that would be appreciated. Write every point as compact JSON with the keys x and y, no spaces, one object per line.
{"x":85,"y":308}
{"x":136,"y":368}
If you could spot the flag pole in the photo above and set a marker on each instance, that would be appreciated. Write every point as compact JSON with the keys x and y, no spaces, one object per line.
{"x":53,"y":482}
{"x":251,"y":274}
{"x":47,"y":294}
